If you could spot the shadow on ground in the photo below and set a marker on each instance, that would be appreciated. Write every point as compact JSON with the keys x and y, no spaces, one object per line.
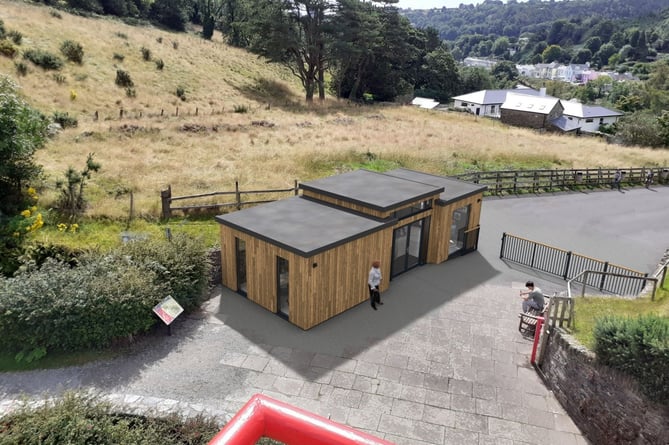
{"x":410,"y":297}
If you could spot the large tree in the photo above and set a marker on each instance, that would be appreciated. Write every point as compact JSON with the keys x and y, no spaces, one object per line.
{"x":22,"y":132}
{"x":292,"y":32}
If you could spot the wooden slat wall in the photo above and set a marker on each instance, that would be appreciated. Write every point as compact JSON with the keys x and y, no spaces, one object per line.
{"x":440,"y":226}
{"x":337,"y":283}
{"x":344,"y":204}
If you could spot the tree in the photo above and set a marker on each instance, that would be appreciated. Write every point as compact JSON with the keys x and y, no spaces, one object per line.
{"x":22,"y":132}
{"x":210,"y":12}
{"x":172,"y":13}
{"x":582,"y":56}
{"x":602,"y":56}
{"x":292,"y":32}
{"x":552,"y":54}
{"x":505,"y":74}
{"x":475,"y":78}
{"x":501,"y":46}
{"x":593,"y":44}
{"x":439,"y":75}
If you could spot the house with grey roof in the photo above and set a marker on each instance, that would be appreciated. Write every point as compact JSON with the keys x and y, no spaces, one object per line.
{"x":489,"y":102}
{"x":537,"y":112}
{"x":586,"y":118}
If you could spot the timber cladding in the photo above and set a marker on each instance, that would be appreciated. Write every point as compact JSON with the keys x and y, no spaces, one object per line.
{"x":440,"y":226}
{"x":343,"y":204}
{"x":320,"y":286}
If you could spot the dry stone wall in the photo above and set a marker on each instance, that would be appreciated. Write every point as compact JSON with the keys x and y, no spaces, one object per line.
{"x":605,"y":405}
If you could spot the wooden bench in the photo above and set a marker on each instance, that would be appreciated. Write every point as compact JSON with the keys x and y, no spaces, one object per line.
{"x":527,"y":323}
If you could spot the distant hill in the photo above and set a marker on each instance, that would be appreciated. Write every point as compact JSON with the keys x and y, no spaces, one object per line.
{"x":513,"y":18}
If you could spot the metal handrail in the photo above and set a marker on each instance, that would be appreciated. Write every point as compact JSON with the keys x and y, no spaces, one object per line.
{"x":587,"y":272}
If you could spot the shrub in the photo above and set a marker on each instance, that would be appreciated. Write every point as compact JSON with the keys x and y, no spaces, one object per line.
{"x":63,"y":308}
{"x":123,"y":79}
{"x":181,"y":92}
{"x":72,"y":51}
{"x":21,"y":68}
{"x":119,"y":57}
{"x":2,"y":29}
{"x":55,"y":14}
{"x":175,"y":44}
{"x":64,"y":119}
{"x":122,"y":35}
{"x":240,"y":109}
{"x":8,"y":49}
{"x":15,"y":36}
{"x":43,"y":59}
{"x":182,"y":264}
{"x":160,"y":64}
{"x":638,"y":347}
{"x":59,"y":78}
{"x":72,"y":202}
{"x":79,"y":418}
{"x":130,"y":92}
{"x":146,"y":53}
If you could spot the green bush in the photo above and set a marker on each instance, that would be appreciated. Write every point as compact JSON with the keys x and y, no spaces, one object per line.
{"x":182,"y":264}
{"x":146,"y":53}
{"x":64,"y":119}
{"x":2,"y":29}
{"x":44,"y":59}
{"x":81,"y":419}
{"x":59,"y":78}
{"x":240,"y":108}
{"x":103,"y":299}
{"x":8,"y":49}
{"x":181,"y":92}
{"x":160,"y":64}
{"x":72,"y":51}
{"x":123,"y":79}
{"x":15,"y":36}
{"x":638,"y":347}
{"x":69,"y":309}
{"x":118,"y":57}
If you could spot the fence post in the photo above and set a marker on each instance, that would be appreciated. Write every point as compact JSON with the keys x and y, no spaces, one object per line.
{"x":565,"y":275}
{"x":601,"y":282}
{"x":296,"y":189}
{"x":165,"y":199}
{"x":238,"y":196}
{"x":515,"y":180}
{"x":534,"y":253}
{"x":501,"y":250}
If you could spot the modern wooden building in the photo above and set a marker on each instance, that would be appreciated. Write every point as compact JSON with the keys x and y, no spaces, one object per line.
{"x":307,"y":258}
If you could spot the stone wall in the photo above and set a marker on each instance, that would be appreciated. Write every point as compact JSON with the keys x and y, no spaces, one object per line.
{"x":604,"y":404}
{"x":523,"y":118}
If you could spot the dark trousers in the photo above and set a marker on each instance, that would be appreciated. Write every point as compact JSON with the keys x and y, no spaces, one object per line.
{"x":374,"y":296}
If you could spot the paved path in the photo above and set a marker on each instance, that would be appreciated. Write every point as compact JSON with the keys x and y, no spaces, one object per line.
{"x":440,"y":363}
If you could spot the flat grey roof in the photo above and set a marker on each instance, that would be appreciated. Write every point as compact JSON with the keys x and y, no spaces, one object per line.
{"x":300,"y":225}
{"x":454,"y":189}
{"x":374,"y":190}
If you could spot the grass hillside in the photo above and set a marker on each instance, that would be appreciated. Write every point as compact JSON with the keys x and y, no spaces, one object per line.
{"x":279,"y":139}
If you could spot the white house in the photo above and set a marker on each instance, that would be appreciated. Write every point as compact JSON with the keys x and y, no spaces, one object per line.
{"x":424,"y":102}
{"x":588,"y":118}
{"x":489,"y":102}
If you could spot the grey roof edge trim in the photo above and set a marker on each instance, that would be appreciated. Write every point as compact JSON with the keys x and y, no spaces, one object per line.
{"x":310,"y":253}
{"x":372,"y":206}
{"x":445,"y":202}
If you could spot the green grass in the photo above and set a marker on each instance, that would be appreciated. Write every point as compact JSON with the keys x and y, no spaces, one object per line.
{"x":105,"y":235}
{"x":589,"y":309}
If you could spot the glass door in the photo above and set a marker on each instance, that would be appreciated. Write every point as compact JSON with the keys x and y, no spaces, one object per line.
{"x":459,"y":224}
{"x":282,"y":287}
{"x":409,"y":247}
{"x":240,"y":247}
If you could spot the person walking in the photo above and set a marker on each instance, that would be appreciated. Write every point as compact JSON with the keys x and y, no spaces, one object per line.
{"x":373,"y":282}
{"x":617,"y":178}
{"x":533,"y":298}
{"x":649,"y":178}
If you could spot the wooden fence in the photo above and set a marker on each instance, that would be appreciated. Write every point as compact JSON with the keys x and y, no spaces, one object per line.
{"x":234,"y":199}
{"x":538,"y":181}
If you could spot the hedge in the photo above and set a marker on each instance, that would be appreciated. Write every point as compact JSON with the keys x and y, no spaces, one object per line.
{"x":103,"y":299}
{"x":638,"y":347}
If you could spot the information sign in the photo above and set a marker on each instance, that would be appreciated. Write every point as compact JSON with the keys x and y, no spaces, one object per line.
{"x":168,"y":310}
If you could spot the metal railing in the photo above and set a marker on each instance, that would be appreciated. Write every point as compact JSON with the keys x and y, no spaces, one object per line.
{"x":611,"y":278}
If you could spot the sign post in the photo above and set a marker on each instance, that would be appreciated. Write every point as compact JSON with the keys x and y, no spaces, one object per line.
{"x":168,"y":310}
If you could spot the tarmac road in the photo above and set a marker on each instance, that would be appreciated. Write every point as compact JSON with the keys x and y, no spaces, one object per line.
{"x":431,"y":366}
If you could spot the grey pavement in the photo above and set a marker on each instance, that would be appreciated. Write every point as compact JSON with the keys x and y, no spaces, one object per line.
{"x":441,"y":362}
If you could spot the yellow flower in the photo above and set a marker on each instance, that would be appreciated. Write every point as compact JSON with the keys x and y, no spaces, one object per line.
{"x":73,"y":95}
{"x":74,"y":227}
{"x":33,"y":209}
{"x":62,"y":227}
{"x":26,"y":213}
{"x":16,"y":234}
{"x":32,"y":191}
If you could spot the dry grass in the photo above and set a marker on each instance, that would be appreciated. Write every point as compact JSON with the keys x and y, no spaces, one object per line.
{"x":305,"y":142}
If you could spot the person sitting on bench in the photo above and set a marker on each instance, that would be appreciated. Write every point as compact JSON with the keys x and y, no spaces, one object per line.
{"x":533,"y":298}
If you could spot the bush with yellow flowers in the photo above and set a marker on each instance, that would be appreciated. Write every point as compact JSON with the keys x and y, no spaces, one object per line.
{"x":15,"y":231}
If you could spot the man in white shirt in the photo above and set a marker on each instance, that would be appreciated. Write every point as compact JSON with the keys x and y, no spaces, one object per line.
{"x":373,"y":282}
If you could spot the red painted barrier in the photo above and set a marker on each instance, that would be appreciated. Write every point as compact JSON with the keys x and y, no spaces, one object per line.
{"x":262,"y":416}
{"x":537,"y":334}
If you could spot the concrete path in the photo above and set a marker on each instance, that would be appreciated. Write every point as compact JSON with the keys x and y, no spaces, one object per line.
{"x":441,"y":362}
